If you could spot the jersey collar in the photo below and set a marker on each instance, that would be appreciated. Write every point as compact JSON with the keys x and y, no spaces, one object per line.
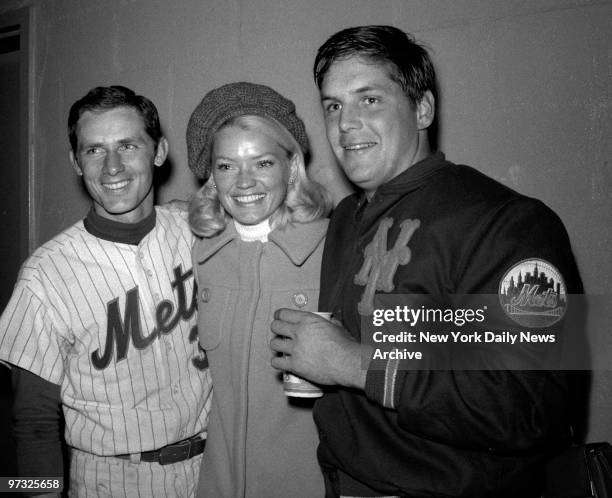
{"x":115,"y":231}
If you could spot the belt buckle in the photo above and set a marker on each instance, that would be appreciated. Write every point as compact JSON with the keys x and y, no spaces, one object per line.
{"x":174,"y":453}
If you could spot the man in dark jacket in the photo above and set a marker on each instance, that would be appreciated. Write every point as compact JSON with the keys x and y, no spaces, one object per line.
{"x":441,"y":238}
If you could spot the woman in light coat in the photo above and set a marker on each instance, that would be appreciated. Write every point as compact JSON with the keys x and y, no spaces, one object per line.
{"x":262,"y":223}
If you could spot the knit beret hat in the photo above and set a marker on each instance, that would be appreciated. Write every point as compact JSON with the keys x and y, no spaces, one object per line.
{"x":230,"y":101}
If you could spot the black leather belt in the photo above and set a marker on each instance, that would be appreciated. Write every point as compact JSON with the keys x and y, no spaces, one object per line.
{"x":172,"y":453}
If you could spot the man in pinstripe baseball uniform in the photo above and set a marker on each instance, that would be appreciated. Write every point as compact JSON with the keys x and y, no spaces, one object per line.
{"x":103,"y":321}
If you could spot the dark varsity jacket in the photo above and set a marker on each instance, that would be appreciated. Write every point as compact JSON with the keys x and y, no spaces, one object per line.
{"x":441,"y":230}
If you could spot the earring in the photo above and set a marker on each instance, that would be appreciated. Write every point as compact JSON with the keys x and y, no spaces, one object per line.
{"x":291,"y":180}
{"x":212,"y":185}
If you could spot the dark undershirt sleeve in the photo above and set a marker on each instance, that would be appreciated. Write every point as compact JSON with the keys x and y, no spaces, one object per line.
{"x":37,"y":423}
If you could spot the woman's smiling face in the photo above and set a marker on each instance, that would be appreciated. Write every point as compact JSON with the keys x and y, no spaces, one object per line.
{"x":251,"y":172}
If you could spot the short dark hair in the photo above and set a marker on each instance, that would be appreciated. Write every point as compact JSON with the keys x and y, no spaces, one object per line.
{"x":407,"y":60}
{"x":105,"y":98}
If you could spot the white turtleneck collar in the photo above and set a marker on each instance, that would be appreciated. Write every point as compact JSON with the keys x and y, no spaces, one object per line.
{"x":251,"y":233}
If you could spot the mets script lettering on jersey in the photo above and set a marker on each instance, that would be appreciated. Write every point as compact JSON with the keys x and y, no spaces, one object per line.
{"x":120,"y":330}
{"x":379,"y":264}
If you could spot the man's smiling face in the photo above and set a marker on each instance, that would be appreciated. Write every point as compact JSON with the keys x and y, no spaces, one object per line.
{"x":372,"y":127}
{"x":116,"y":158}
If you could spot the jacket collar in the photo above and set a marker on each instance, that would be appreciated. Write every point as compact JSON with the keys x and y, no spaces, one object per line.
{"x":407,"y":181}
{"x":206,"y":247}
{"x":415,"y":175}
{"x":298,"y":241}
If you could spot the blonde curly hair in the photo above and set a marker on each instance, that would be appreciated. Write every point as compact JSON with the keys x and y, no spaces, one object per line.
{"x":305,"y":201}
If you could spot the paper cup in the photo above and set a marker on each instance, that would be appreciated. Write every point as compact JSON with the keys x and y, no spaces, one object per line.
{"x":297,"y":387}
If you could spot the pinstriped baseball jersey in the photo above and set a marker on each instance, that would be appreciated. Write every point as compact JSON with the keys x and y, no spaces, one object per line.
{"x":115,"y":325}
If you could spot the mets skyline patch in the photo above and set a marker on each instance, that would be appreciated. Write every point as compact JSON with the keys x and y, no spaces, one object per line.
{"x":533,"y":294}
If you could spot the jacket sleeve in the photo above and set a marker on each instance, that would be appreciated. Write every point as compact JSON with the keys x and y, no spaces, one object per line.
{"x":492,"y":408}
{"x":37,"y":423}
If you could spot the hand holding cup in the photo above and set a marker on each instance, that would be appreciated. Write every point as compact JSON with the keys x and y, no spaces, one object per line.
{"x":316,"y":349}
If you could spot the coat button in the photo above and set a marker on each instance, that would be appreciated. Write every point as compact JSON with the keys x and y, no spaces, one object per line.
{"x":205,"y":295}
{"x":300,"y":299}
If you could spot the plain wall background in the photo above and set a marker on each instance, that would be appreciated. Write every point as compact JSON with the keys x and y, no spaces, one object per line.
{"x":526,"y":94}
